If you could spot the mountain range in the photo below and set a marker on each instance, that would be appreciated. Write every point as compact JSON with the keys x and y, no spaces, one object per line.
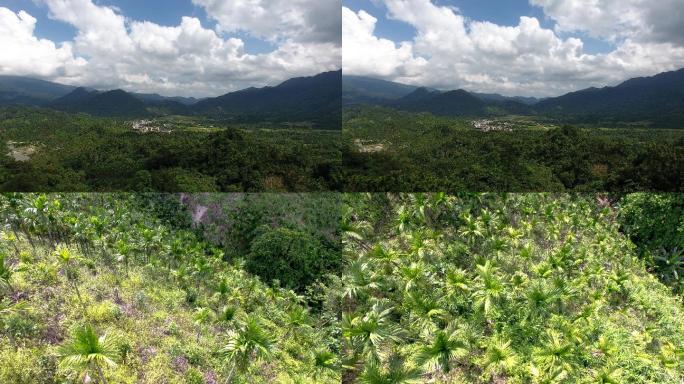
{"x":658,"y":100}
{"x":315,"y":99}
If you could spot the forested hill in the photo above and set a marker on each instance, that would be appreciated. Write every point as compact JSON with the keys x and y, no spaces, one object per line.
{"x":314,"y":99}
{"x":111,"y":103}
{"x":659,"y":99}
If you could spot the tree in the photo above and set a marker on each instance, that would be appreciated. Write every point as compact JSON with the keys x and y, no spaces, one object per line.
{"x":69,"y":261}
{"x":88,"y":353}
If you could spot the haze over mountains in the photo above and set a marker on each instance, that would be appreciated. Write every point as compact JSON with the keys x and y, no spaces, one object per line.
{"x":656,"y":100}
{"x":314,"y":99}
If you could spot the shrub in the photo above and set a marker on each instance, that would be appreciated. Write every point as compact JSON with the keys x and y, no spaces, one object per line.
{"x":655,"y":223}
{"x":294,"y":258}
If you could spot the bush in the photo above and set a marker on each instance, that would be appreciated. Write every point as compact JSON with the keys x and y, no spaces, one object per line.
{"x":294,"y":258}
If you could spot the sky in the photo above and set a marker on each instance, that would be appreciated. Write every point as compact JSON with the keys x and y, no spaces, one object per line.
{"x":513,"y":47}
{"x":172,"y":47}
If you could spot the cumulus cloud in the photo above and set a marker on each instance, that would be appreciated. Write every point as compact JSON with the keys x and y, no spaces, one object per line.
{"x":451,"y":51}
{"x":365,"y":54}
{"x":639,"y":20}
{"x":24,"y":54}
{"x":111,"y":51}
{"x":300,"y":20}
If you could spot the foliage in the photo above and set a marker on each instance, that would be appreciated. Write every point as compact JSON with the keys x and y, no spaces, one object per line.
{"x":478,"y":288}
{"x":104,"y":288}
{"x":78,"y":152}
{"x":389,"y":150}
{"x":655,"y":223}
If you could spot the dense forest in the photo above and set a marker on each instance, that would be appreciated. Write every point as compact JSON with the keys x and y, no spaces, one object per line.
{"x":78,"y":152}
{"x":380,"y":149}
{"x":390,"y":150}
{"x":357,"y":288}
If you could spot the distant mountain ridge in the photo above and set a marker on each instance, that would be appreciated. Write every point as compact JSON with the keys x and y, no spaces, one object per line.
{"x":25,"y":90}
{"x":116,"y":103}
{"x":315,"y":99}
{"x":657,"y":99}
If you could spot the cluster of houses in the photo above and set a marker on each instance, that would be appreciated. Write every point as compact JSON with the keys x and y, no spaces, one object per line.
{"x":493,"y":125}
{"x":367,"y":147}
{"x":151,"y":126}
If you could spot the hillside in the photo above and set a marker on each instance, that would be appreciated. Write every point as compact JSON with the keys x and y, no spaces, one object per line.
{"x":314,"y":99}
{"x":367,"y":90}
{"x":451,"y":103}
{"x":531,"y":288}
{"x":116,"y":289}
{"x":659,"y":99}
{"x":28,"y":91}
{"x":116,"y":103}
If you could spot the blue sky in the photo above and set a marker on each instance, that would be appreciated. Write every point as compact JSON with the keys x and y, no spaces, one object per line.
{"x":501,"y":12}
{"x":169,"y":15}
{"x":172,"y":47}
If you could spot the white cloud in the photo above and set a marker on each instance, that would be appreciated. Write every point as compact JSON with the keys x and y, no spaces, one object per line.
{"x":655,"y":21}
{"x":300,"y":20}
{"x":24,"y":54}
{"x":365,"y":54}
{"x":110,"y":51}
{"x":526,"y":59}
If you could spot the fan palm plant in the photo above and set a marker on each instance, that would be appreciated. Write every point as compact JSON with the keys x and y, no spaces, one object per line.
{"x":369,"y":332}
{"x":396,"y":372}
{"x":442,"y":350}
{"x":499,"y":357}
{"x":88,"y":353}
{"x":250,"y":342}
{"x":6,"y":272}
{"x":68,"y":260}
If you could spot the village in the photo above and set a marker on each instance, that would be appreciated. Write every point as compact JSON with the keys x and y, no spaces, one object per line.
{"x":493,"y":125}
{"x":151,"y":126}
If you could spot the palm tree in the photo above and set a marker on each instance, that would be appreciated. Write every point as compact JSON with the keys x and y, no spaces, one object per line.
{"x":499,"y":357}
{"x":250,"y":342}
{"x":68,"y":262}
{"x":201,"y":317}
{"x":555,"y":352}
{"x":367,"y":333}
{"x":88,"y":353}
{"x":489,"y":287}
{"x":442,"y":350}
